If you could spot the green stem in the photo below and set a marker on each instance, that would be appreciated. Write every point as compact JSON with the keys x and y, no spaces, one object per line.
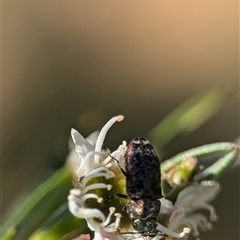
{"x":204,"y":150}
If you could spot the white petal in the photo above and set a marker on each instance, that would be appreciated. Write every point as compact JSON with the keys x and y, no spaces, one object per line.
{"x":107,"y":221}
{"x":175,"y":218}
{"x":185,"y":196}
{"x":73,"y":160}
{"x":197,"y":194}
{"x":208,"y":191}
{"x":92,"y":138}
{"x":104,"y":131}
{"x":96,"y":186}
{"x":82,"y":145}
{"x":170,"y":233}
{"x":196,"y":222}
{"x":81,"y":212}
{"x":166,"y":206}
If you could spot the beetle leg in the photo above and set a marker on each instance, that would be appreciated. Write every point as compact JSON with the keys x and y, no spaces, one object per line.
{"x":124,"y":173}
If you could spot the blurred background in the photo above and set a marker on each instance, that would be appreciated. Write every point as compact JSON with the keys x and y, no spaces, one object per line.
{"x":78,"y":63}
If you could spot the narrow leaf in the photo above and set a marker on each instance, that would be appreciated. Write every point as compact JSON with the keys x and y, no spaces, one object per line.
{"x":48,"y":197}
{"x":188,"y":116}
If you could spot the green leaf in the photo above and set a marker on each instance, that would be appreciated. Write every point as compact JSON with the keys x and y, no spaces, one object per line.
{"x":202,"y":151}
{"x":38,"y":206}
{"x":220,"y":166}
{"x":60,"y":225}
{"x":188,"y":116}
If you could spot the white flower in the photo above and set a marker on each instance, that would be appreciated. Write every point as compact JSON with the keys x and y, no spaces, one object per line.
{"x":73,"y":159}
{"x":93,"y":163}
{"x":190,"y":200}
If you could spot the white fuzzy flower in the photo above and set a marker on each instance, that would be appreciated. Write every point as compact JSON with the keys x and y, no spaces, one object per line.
{"x":189,"y":200}
{"x":93,"y":163}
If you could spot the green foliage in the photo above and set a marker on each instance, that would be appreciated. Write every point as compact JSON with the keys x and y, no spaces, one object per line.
{"x":189,"y":116}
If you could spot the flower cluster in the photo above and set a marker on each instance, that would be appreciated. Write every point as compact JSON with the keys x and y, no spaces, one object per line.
{"x":189,"y":200}
{"x":98,"y":172}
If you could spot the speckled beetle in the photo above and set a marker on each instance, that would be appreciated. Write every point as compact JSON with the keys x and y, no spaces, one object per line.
{"x":143,"y":186}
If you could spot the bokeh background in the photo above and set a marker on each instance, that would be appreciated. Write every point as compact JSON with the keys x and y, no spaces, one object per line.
{"x":77,"y":63}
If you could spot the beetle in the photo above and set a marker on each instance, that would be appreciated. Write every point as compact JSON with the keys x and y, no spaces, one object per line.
{"x":143,"y":187}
